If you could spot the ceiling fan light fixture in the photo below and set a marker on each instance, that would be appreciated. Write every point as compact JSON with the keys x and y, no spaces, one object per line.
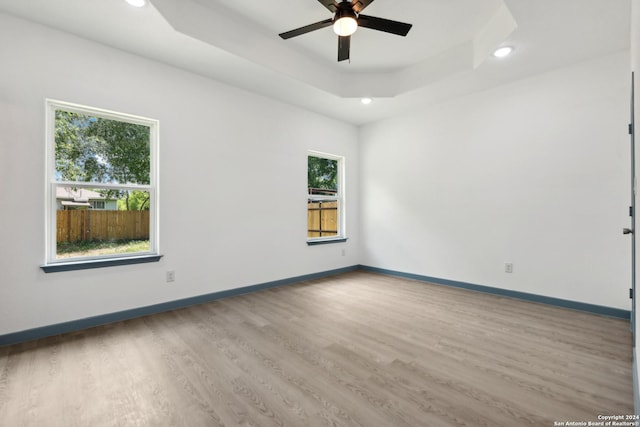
{"x":345,"y":23}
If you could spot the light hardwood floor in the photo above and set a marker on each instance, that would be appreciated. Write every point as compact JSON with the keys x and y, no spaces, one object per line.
{"x":359,"y":349}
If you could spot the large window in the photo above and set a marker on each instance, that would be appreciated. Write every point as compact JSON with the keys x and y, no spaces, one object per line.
{"x":325,"y":198}
{"x":101,"y":184}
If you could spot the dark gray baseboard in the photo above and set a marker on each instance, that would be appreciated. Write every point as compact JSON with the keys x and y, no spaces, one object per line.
{"x":574,"y":305}
{"x":90,"y":322}
{"x":80,"y":324}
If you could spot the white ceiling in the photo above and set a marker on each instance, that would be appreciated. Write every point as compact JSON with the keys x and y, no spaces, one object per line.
{"x":447,"y":52}
{"x":440,"y":22}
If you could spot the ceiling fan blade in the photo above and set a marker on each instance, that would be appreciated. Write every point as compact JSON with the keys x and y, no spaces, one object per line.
{"x":344,"y":47}
{"x":330,"y":4}
{"x":386,"y":25}
{"x":306,"y":29}
{"x":359,"y":5}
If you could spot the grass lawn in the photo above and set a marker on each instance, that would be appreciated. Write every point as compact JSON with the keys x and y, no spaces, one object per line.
{"x":78,"y":249}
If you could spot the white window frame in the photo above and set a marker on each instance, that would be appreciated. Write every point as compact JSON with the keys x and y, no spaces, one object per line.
{"x":51,"y":183}
{"x":340,"y":196}
{"x":95,"y":203}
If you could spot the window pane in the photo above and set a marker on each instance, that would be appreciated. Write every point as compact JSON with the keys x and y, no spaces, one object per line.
{"x":322,"y":218}
{"x":95,"y":149}
{"x":322,"y":176}
{"x":121,"y":227}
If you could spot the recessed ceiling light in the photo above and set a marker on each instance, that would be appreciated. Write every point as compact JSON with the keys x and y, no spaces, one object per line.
{"x":503,"y":51}
{"x":136,"y":3}
{"x":366,"y":101}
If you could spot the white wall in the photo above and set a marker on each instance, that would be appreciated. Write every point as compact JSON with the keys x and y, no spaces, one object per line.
{"x":232,"y":180}
{"x":635,"y":66}
{"x":535,"y":173}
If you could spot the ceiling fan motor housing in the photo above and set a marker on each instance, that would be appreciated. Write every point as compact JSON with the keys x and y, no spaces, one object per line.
{"x":345,"y":10}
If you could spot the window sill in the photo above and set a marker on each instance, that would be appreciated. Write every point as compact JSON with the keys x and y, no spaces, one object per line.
{"x":98,"y":263}
{"x":326,"y":241}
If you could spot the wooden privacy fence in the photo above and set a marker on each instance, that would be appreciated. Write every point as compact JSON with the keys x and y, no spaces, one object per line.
{"x":322,"y":219}
{"x":88,"y":224}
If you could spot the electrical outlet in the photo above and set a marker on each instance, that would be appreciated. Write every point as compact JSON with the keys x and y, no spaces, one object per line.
{"x":171,"y":276}
{"x":508,"y":267}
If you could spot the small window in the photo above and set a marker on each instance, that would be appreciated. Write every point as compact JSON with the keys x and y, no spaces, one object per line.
{"x":325,"y":197}
{"x":102,"y":184}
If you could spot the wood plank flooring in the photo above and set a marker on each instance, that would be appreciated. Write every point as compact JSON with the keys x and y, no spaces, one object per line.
{"x":359,"y":349}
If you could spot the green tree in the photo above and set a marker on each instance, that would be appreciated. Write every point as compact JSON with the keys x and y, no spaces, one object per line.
{"x":134,"y":201}
{"x":76,"y":152}
{"x":95,"y":149}
{"x":322,"y":173}
{"x":125,"y":152}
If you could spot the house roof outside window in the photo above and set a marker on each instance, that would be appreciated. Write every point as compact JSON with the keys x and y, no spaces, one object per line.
{"x":80,"y":197}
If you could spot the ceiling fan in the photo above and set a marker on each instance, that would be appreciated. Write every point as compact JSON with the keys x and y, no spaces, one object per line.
{"x":346,"y":20}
